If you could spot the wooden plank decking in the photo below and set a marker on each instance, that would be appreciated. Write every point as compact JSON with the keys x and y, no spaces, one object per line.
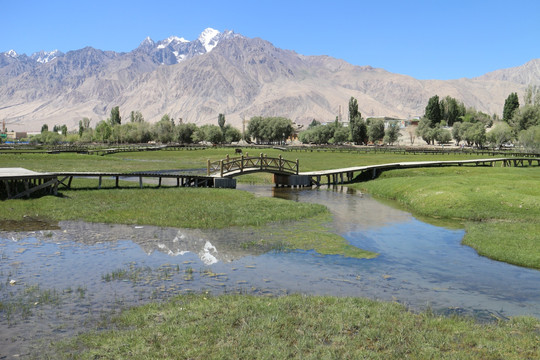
{"x":347,"y":175}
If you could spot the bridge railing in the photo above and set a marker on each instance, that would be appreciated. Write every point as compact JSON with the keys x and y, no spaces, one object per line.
{"x":251,"y":163}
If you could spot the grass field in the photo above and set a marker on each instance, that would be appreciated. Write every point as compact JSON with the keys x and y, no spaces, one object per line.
{"x":298,"y":327}
{"x":503,"y":201}
{"x":499,"y":207}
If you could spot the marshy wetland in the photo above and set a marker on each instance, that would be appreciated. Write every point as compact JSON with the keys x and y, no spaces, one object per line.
{"x":62,"y":278}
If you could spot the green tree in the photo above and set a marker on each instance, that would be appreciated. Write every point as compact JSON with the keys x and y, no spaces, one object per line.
{"x":532,"y":95}
{"x":443,"y":136}
{"x":184,"y":133}
{"x":341,"y":134}
{"x":392,"y":133}
{"x":353,"y":109}
{"x":103,"y":131}
{"x":221,"y":122}
{"x":525,"y":117}
{"x":511,"y":104}
{"x":358,"y":129}
{"x":232,"y":134}
{"x":44,"y":128}
{"x":433,"y":110}
{"x":500,"y":134}
{"x":164,"y":130}
{"x":376,"y":130}
{"x":136,"y":117}
{"x":426,"y":130}
{"x":474,"y":133}
{"x":451,"y":110}
{"x":209,"y":133}
{"x":313,"y":123}
{"x":270,"y":130}
{"x":357,"y":125}
{"x":530,"y":139}
{"x":456,"y":132}
{"x":115,"y":116}
{"x":64,"y":129}
{"x":84,"y":125}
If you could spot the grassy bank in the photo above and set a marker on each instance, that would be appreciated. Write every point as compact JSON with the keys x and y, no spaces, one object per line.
{"x":299,"y":327}
{"x":500,"y":207}
{"x":302,"y":225}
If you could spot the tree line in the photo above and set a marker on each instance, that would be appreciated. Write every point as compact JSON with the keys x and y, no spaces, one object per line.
{"x":519,"y":124}
{"x":444,"y":120}
{"x":166,"y":130}
{"x":359,"y":131}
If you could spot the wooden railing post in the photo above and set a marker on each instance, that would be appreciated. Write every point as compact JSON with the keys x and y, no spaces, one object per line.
{"x":221,"y":168}
{"x":242,"y":164}
{"x":297,"y":166}
{"x":280,"y":163}
{"x":261,"y":161}
{"x":208,"y":167}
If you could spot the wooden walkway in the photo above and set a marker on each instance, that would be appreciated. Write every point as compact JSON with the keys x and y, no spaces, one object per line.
{"x":182,"y":180}
{"x":359,"y":173}
{"x":20,"y":182}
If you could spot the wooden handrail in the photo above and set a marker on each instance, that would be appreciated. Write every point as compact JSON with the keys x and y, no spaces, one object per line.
{"x":249,"y":163}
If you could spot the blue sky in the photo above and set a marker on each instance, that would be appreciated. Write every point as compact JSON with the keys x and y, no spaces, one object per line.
{"x":423,"y":39}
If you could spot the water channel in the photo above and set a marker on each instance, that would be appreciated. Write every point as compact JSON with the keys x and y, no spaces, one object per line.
{"x":59,"y":280}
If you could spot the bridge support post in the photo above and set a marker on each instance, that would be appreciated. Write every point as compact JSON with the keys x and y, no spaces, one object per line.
{"x":292,"y":180}
{"x":225,"y":183}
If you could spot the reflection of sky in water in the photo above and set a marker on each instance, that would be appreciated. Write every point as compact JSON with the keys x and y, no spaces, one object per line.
{"x":419,"y":264}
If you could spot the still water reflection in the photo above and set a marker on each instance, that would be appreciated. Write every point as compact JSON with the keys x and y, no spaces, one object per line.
{"x":93,"y":269}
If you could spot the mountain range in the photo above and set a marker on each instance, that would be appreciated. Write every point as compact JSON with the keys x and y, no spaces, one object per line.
{"x":223,"y":72}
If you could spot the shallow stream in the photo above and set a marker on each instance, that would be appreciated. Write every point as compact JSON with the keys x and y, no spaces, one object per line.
{"x":61,"y":280}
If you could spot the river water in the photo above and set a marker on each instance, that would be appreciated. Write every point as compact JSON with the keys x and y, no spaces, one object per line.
{"x":60,"y":279}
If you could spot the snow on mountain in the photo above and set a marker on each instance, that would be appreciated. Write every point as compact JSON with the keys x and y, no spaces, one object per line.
{"x":44,"y":57}
{"x":147,"y":41}
{"x":176,"y":49}
{"x":209,"y":38}
{"x":11,"y":53}
{"x":173,"y":39}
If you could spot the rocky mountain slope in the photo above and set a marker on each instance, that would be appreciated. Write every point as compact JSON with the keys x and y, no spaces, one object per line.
{"x":223,"y":73}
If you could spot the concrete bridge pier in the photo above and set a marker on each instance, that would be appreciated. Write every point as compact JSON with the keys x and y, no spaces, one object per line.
{"x":225,"y":183}
{"x":292,"y":180}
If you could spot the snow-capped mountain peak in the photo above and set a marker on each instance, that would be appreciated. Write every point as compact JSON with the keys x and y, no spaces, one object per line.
{"x":208,"y":38}
{"x":147,"y":42}
{"x":171,"y":40}
{"x":44,"y":57}
{"x":11,"y":53}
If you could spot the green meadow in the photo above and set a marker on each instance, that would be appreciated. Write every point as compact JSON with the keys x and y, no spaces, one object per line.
{"x":499,"y":208}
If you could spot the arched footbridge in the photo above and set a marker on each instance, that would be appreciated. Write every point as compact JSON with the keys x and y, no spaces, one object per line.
{"x":235,"y":166}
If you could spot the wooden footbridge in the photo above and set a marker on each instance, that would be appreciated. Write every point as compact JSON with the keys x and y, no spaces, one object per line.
{"x":287,"y":172}
{"x":18,"y":182}
{"x":231,"y":167}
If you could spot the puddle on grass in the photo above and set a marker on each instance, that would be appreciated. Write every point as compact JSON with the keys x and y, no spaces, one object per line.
{"x":55,"y":279}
